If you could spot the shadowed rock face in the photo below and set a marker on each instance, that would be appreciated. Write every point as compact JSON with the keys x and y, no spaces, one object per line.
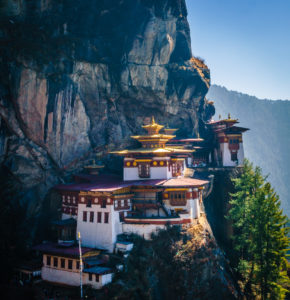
{"x":76,"y":75}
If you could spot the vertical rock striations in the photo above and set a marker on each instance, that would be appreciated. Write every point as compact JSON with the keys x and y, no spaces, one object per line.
{"x":76,"y":75}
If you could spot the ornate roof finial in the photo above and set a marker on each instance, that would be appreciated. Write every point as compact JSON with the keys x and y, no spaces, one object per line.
{"x":229,"y":116}
{"x":153,"y":120}
{"x":220,"y":116}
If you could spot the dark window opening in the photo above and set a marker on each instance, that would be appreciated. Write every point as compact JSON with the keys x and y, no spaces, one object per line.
{"x":70,"y":262}
{"x":97,"y":277}
{"x":78,"y":265}
{"x":84,"y":216}
{"x":91,"y":216}
{"x":234,"y":156}
{"x":48,"y":260}
{"x":121,"y":216}
{"x":62,"y":263}
{"x":89,"y":203}
{"x":104,"y":203}
{"x":106,"y":217}
{"x":99,"y":217}
{"x":90,"y":277}
{"x":55,"y":262}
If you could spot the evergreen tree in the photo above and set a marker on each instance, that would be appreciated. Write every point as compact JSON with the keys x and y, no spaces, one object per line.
{"x":260,"y":235}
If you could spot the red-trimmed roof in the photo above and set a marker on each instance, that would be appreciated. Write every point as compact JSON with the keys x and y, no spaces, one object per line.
{"x":110,"y":184}
{"x":185,"y":181}
{"x":187,"y":140}
{"x":57,"y":249}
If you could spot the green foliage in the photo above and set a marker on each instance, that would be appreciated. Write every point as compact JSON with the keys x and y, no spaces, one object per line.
{"x":260,"y":235}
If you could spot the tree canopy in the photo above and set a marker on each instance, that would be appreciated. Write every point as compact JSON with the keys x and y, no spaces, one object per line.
{"x":260,"y":237}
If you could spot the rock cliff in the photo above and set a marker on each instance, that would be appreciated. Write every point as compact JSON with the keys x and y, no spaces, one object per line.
{"x":79,"y":76}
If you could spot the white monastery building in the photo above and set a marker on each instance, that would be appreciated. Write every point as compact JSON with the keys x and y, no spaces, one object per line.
{"x":152,"y":194}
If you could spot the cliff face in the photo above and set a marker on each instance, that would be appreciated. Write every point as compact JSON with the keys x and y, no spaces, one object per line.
{"x":76,"y":75}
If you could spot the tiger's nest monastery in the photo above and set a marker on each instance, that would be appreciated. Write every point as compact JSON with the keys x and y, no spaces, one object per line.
{"x":153,"y":193}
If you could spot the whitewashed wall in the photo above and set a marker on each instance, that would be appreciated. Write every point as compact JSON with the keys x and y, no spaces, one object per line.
{"x":144,"y":230}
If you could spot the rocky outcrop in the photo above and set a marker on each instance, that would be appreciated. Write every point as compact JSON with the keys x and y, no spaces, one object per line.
{"x":191,"y":267}
{"x":82,"y":76}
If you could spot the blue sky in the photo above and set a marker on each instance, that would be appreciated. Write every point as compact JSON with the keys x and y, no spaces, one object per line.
{"x":245,"y":43}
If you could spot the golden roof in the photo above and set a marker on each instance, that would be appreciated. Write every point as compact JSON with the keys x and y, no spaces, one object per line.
{"x":164,"y":137}
{"x":153,"y":128}
{"x":166,"y":150}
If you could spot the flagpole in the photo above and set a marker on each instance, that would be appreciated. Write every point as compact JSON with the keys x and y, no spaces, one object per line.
{"x":81,"y":264}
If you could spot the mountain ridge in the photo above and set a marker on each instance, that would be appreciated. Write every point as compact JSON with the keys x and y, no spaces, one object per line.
{"x":268,"y":140}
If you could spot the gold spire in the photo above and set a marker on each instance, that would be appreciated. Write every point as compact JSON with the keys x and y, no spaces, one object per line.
{"x":153,"y":128}
{"x":229,"y":116}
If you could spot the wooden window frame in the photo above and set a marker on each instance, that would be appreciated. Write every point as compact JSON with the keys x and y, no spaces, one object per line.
{"x":48,"y":260}
{"x":103,"y":203}
{"x":55,"y":262}
{"x":99,"y":217}
{"x":62,"y":263}
{"x":70,"y":264}
{"x":91,"y":217}
{"x":85,"y":216}
{"x":144,"y":170}
{"x":106,"y":218}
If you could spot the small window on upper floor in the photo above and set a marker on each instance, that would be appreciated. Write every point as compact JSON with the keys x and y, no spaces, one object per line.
{"x":144,"y":170}
{"x":106,"y":217}
{"x":62,"y":263}
{"x":48,"y":260}
{"x":85,"y":216}
{"x":70,"y":264}
{"x":55,"y":262}
{"x":89,"y":203}
{"x":104,"y":203}
{"x":91,"y":216}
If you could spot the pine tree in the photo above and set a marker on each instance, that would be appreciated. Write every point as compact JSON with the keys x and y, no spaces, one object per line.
{"x":260,"y":235}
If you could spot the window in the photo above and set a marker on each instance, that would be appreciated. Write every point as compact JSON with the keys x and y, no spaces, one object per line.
{"x":89,"y":203}
{"x":121,"y":216}
{"x":91,"y":216}
{"x":106,"y":217}
{"x":144,"y":170}
{"x":62,"y":263}
{"x":48,"y":260}
{"x":78,"y":265}
{"x":97,"y":278}
{"x":234,"y":156}
{"x":84,"y":216}
{"x":70,"y":262}
{"x":90,"y":277}
{"x":103,"y":203}
{"x":55,"y":262}
{"x":99,"y":217}
{"x":177,"y":198}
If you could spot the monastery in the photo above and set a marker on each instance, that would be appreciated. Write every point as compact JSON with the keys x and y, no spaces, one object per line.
{"x":153,"y":193}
